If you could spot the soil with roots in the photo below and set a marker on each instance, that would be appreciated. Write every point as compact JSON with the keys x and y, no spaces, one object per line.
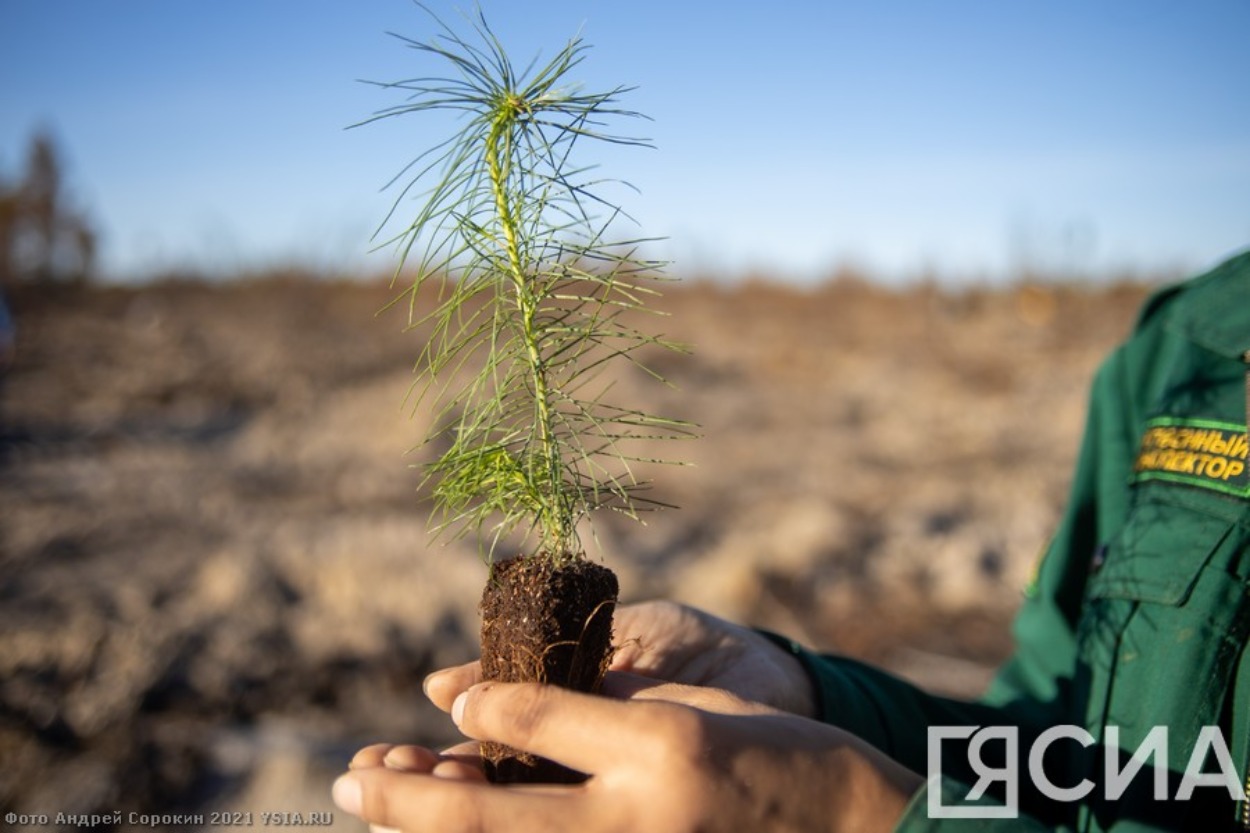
{"x":544,"y":622}
{"x":218,"y":581}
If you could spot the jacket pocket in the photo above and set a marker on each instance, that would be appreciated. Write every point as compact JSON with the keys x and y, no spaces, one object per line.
{"x":1160,"y":634}
{"x":1163,"y":616}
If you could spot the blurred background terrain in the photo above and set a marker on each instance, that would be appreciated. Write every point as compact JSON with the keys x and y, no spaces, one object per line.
{"x":217,"y":576}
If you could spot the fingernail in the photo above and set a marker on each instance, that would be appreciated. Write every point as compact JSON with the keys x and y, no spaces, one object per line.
{"x":347,"y":794}
{"x":377,"y":828}
{"x":457,"y":707}
{"x":425,"y":684}
{"x":400,"y":760}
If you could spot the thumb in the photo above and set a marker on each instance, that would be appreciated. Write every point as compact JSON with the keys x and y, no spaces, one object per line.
{"x":443,"y":686}
{"x":582,"y":731}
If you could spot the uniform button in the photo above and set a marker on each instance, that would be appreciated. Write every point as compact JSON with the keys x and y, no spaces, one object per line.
{"x":1100,"y":558}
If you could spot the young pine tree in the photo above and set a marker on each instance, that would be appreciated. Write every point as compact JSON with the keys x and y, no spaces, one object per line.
{"x":529,"y":300}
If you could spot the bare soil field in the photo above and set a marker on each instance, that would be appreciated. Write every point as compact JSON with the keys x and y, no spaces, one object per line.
{"x":218,"y":580}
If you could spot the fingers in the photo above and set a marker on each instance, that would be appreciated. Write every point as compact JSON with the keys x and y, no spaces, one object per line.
{"x":370,"y":756}
{"x":460,"y":762}
{"x":411,"y":759}
{"x":416,"y":803}
{"x":443,"y":686}
{"x":581,"y":731}
{"x":459,"y":771}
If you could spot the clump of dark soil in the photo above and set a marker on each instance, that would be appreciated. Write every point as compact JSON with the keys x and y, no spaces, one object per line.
{"x":548,"y":624}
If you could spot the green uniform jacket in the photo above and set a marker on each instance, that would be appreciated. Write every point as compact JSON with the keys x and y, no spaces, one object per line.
{"x":1139,"y":612}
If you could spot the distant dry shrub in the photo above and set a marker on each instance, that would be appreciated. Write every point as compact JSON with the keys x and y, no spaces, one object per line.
{"x":43,"y":237}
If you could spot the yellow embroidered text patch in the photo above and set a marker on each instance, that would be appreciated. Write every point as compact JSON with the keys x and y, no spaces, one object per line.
{"x":1202,"y":453}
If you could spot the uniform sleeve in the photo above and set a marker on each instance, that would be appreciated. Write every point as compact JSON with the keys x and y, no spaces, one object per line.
{"x":890,"y":713}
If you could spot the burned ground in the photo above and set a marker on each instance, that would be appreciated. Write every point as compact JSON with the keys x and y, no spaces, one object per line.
{"x":217,"y":578}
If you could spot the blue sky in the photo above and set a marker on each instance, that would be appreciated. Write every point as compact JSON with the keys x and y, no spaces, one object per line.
{"x":950,"y":136}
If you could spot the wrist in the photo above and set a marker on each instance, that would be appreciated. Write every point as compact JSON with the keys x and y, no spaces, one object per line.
{"x":806,"y":700}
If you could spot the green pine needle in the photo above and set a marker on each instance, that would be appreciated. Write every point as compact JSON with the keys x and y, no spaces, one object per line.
{"x":534,"y":298}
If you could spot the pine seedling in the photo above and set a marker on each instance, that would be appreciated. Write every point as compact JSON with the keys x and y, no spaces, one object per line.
{"x":535,"y":298}
{"x":526,"y":300}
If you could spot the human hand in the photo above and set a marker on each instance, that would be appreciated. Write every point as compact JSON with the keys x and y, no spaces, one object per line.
{"x":675,"y":643}
{"x":655,"y":764}
{"x":463,"y":761}
{"x":681,"y":644}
